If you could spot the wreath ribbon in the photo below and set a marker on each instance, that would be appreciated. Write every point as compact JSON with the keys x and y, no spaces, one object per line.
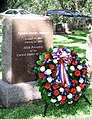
{"x":62,"y":74}
{"x":61,"y":69}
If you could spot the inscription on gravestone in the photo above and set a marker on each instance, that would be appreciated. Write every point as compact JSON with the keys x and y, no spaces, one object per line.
{"x":29,"y":38}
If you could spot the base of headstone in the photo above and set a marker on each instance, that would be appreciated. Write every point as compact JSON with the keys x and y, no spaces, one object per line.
{"x":14,"y":94}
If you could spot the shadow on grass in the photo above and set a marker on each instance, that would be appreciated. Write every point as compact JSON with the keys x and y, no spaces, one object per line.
{"x":70,"y":40}
{"x":74,"y":38}
{"x":82,"y":33}
{"x":36,"y":109}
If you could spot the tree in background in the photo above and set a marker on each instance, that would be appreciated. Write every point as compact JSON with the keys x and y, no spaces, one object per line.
{"x":87,"y":7}
{"x":15,"y":3}
{"x":40,"y":6}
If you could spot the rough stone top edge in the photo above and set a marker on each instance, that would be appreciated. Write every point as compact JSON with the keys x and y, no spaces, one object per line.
{"x":7,"y":85}
{"x":27,"y":17}
{"x":6,"y":20}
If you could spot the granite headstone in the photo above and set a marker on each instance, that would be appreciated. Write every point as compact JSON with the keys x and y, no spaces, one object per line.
{"x":23,"y":40}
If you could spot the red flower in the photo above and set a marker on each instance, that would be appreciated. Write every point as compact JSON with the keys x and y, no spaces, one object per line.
{"x":74,"y":63}
{"x":54,"y":74}
{"x":52,"y":66}
{"x":77,"y":73}
{"x":56,"y":92}
{"x":74,"y":53}
{"x":62,"y":84}
{"x":74,"y":81}
{"x":84,"y":71}
{"x":62,"y":102}
{"x":73,"y":90}
{"x":55,"y":86}
{"x":47,"y":56}
{"x":41,"y":76}
{"x":63,"y":97}
{"x":85,"y":91}
{"x":42,"y":64}
{"x":76,"y":98}
{"x":67,"y":90}
{"x":47,"y":86}
{"x":81,"y":86}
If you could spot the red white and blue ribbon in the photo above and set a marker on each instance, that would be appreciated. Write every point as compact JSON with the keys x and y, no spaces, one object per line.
{"x":64,"y":58}
{"x":62,"y":75}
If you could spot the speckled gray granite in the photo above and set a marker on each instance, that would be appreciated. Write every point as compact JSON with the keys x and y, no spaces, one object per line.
{"x":7,"y":50}
{"x":14,"y":94}
{"x":89,"y":52}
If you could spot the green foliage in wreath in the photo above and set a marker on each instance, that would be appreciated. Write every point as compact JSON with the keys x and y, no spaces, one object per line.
{"x":62,"y":76}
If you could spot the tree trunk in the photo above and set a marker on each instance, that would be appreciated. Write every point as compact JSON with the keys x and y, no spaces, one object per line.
{"x":76,"y":5}
{"x":61,"y":3}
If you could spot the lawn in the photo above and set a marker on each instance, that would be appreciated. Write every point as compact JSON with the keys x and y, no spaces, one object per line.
{"x":76,"y":41}
{"x":82,"y":110}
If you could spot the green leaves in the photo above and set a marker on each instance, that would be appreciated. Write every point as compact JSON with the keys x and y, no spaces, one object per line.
{"x":50,"y":51}
{"x":39,"y":62}
{"x":44,"y":94}
{"x":41,"y":57}
{"x":35,"y":70}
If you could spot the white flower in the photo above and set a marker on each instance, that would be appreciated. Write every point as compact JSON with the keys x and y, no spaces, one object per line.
{"x":79,"y":67}
{"x":88,"y":75}
{"x":81,"y":80}
{"x":53,"y":100}
{"x":64,"y":53}
{"x":42,"y":69}
{"x":78,"y":88}
{"x":61,"y":89}
{"x":80,"y":94}
{"x":48,"y":72}
{"x":49,"y":79}
{"x":69,"y":96}
{"x":59,"y":98}
{"x":55,"y":61}
{"x":58,"y":58}
{"x":68,"y":50}
{"x":83,"y":76}
{"x":58,"y":81}
{"x":49,"y":94}
{"x":55,"y":49}
{"x":72,"y":68}
{"x":70,"y":102}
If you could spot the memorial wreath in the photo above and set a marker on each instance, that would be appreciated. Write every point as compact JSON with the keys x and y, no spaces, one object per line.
{"x":62,"y":76}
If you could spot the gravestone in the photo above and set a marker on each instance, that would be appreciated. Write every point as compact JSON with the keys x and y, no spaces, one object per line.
{"x":23,"y":40}
{"x":89,"y":53}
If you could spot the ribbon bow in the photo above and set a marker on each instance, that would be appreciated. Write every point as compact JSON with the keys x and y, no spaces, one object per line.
{"x":64,"y":58}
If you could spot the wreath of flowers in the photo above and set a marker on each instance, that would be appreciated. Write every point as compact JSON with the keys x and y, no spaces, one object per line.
{"x":62,"y":77}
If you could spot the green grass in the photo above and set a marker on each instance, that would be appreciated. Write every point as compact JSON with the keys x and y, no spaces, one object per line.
{"x":76,"y":41}
{"x":82,"y":110}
